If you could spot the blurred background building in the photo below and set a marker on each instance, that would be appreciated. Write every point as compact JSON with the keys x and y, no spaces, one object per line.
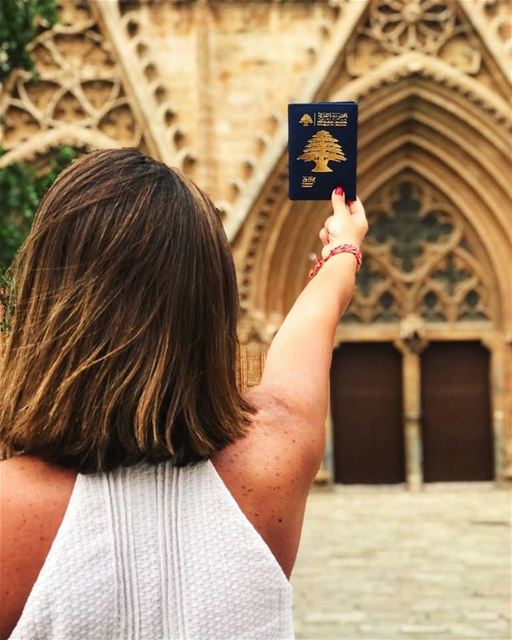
{"x":421,"y":385}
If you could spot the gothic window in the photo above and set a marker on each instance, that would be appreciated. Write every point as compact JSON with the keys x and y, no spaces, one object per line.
{"x":79,"y":86}
{"x":418,"y":259}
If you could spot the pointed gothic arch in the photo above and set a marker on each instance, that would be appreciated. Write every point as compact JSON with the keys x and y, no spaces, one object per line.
{"x":407,"y":121}
{"x":420,"y":121}
{"x":478,"y":33}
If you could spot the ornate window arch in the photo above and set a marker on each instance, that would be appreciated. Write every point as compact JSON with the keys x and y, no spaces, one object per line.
{"x":421,"y":259}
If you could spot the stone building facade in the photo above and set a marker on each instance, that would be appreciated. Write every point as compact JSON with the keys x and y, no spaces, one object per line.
{"x":204,"y":85}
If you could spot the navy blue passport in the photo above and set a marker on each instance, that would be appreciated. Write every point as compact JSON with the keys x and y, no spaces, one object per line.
{"x":322,"y":149}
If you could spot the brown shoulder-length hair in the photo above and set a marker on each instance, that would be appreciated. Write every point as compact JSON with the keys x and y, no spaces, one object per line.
{"x":123,"y":341}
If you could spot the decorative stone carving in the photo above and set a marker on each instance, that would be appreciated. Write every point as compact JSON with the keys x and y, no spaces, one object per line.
{"x":458,"y":59}
{"x":129,"y":24}
{"x":493,"y":19}
{"x":79,"y":93}
{"x":418,"y":260}
{"x":245,"y":267}
{"x":411,"y":25}
{"x":431,"y":27}
{"x":498,"y":12}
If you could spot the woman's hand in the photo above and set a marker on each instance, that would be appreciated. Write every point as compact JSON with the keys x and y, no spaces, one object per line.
{"x":347,"y":225}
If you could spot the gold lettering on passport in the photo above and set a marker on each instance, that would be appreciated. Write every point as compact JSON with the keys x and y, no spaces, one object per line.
{"x":321,"y":149}
{"x":308,"y":181}
{"x":331,"y":119}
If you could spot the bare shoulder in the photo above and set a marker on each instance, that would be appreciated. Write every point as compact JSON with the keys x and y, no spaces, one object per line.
{"x":33,"y":499}
{"x":270,"y":472}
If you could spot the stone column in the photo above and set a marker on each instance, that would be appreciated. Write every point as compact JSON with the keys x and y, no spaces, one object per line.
{"x":412,"y":416}
{"x":507,"y":393}
{"x":411,"y":343}
{"x":411,"y":372}
{"x":498,"y":385}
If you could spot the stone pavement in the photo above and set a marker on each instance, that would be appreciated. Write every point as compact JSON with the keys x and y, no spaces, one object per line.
{"x":381,"y":563}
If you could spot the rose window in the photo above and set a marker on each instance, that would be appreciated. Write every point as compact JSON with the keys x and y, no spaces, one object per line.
{"x":412,"y":25}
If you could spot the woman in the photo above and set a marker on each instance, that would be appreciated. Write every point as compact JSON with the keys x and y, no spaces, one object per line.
{"x":142,"y":495}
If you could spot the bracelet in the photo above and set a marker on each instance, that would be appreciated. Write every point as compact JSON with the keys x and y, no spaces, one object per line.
{"x":342,"y":248}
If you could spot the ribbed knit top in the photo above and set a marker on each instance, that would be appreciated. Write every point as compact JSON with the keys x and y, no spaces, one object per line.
{"x":154,"y":552}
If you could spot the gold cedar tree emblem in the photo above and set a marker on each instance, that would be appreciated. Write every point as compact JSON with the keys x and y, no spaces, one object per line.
{"x":321,"y":149}
{"x":306,"y":120}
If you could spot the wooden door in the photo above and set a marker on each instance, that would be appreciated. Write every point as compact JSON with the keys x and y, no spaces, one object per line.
{"x":366,"y":409}
{"x":456,"y":414}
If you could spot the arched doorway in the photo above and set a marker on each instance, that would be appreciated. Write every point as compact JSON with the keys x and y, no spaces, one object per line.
{"x":425,"y":288}
{"x":437,"y":249}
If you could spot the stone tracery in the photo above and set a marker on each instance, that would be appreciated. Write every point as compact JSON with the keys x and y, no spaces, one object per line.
{"x":405,"y":25}
{"x":418,"y":260}
{"x":79,"y":92}
{"x":429,"y":27}
{"x":407,"y":120}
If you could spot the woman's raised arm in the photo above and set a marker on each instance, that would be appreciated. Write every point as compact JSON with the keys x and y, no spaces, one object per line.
{"x":296,"y":372}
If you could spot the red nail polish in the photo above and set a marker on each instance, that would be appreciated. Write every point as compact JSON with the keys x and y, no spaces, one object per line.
{"x":338,"y":191}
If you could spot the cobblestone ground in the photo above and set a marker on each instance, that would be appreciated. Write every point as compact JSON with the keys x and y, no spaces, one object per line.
{"x":382,"y":563}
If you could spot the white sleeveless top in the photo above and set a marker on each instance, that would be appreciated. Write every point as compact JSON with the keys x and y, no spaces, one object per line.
{"x":154,"y":552}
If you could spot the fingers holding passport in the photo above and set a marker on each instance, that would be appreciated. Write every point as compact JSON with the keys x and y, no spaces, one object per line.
{"x":356,"y":207}
{"x":338,"y":202}
{"x":348,"y":223}
{"x":358,"y":217}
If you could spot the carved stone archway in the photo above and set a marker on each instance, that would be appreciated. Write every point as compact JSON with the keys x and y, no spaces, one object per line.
{"x":422,"y":122}
{"x":272,"y":252}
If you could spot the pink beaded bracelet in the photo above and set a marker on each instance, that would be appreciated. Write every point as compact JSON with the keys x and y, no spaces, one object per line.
{"x":342,"y":248}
